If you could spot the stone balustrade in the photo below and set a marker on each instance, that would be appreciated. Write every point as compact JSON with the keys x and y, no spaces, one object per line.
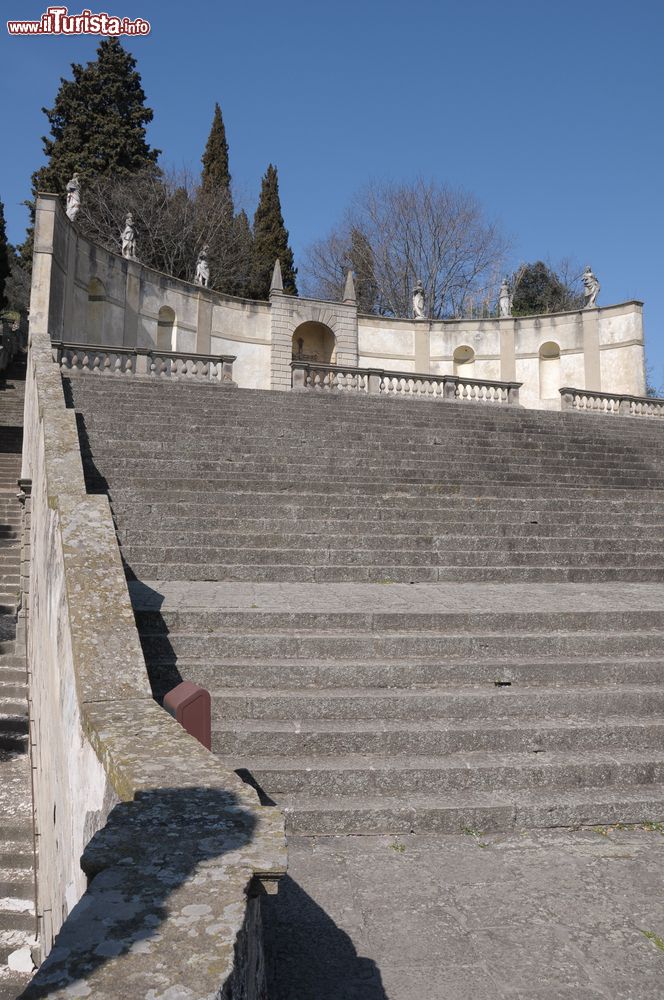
{"x":378,"y":381}
{"x":137,"y":361}
{"x":586,"y":401}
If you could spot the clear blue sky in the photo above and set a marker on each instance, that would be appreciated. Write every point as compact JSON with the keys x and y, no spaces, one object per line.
{"x":550,"y":113}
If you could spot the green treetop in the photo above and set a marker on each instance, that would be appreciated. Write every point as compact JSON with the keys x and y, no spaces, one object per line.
{"x":216,"y":171}
{"x":97,"y":122}
{"x":270,"y":241}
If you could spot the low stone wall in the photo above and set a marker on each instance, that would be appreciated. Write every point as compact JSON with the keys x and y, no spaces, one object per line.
{"x":152,"y":858}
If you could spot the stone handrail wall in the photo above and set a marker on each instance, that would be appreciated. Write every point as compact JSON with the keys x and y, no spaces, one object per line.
{"x":152,"y":857}
{"x":378,"y":381}
{"x":584,"y":401}
{"x":132,"y":361}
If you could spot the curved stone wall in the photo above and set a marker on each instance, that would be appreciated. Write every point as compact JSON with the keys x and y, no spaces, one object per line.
{"x":110,"y":301}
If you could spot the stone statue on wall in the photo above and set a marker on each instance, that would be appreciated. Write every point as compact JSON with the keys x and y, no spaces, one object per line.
{"x":129,"y":239}
{"x":418,"y":300}
{"x":73,"y":197}
{"x":202,"y":276}
{"x":504,"y":299}
{"x":591,"y":287}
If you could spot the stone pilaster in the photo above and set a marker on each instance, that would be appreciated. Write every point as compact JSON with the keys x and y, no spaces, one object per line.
{"x":591,"y":360}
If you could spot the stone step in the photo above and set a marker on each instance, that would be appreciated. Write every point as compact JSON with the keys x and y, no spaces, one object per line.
{"x":437,"y":703}
{"x":371,"y":479}
{"x":486,"y":554}
{"x":471,"y":812}
{"x":412,"y":672}
{"x":150,"y":455}
{"x":355,"y":547}
{"x":203,"y":525}
{"x":394,"y":495}
{"x":11,"y":690}
{"x":392,"y":574}
{"x":336,"y":645}
{"x":477,"y":771}
{"x":202,"y":622}
{"x":322,"y":737}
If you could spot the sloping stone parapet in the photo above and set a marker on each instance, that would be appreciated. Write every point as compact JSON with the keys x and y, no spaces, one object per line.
{"x":152,"y":857}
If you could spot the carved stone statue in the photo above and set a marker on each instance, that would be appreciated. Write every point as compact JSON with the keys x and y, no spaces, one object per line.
{"x":504,"y":299}
{"x":73,"y":197}
{"x":591,"y":288}
{"x":202,"y":276}
{"x":129,"y":239}
{"x":418,"y":300}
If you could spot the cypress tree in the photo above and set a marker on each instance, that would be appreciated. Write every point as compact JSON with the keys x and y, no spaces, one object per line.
{"x":5,"y":269}
{"x":97,"y":122}
{"x":270,"y":241}
{"x":216,"y":173}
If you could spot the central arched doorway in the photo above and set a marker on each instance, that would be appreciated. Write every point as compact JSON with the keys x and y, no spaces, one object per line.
{"x":314,"y":342}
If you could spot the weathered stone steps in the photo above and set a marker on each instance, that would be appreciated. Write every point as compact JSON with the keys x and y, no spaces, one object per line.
{"x":471,"y":771}
{"x":360,"y":721}
{"x":471,"y":812}
{"x":435,"y":737}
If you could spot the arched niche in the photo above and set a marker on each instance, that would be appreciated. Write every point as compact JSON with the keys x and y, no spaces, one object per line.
{"x":314,"y":341}
{"x":464,"y":361}
{"x":166,"y":332}
{"x":94,"y":319}
{"x":549,"y":370}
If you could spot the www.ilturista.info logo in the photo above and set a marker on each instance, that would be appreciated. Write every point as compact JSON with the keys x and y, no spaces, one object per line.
{"x":58,"y":21}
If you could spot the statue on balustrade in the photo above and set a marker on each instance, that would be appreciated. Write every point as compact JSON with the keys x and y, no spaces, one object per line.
{"x":202,"y":276}
{"x":73,"y":197}
{"x":129,"y":239}
{"x":504,"y":299}
{"x":418,"y":300}
{"x":591,"y":288}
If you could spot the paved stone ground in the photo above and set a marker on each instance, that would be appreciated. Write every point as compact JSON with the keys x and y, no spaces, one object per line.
{"x":546,"y":915}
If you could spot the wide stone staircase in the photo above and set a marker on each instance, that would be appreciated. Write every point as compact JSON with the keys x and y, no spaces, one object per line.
{"x":17,"y":880}
{"x":411,"y":615}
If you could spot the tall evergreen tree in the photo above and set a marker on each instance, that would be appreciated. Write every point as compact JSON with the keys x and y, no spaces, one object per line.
{"x":5,"y":252}
{"x":270,"y":240}
{"x":97,"y":122}
{"x":216,"y":172}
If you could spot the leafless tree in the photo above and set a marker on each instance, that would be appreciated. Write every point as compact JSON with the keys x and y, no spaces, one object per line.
{"x":421,"y":230}
{"x":173,"y":219}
